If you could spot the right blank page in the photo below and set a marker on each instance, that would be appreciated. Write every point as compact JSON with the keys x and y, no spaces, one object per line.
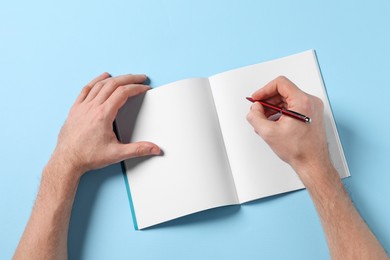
{"x":257,"y":171}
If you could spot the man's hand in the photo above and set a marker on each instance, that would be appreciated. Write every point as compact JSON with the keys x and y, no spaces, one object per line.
{"x":304,"y":147}
{"x":87,"y":140}
{"x":293,"y":141}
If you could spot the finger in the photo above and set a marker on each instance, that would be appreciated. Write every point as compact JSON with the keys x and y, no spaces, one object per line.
{"x":281,"y":104}
{"x":257,"y":118}
{"x":120,"y":96}
{"x":101,"y":77}
{"x":274,"y":100}
{"x":95,"y":90}
{"x":104,"y":95}
{"x":280,"y":86}
{"x":269,"y":112}
{"x":85,"y":91}
{"x":111,"y":86}
{"x":127,"y":79}
{"x":277,"y":101}
{"x":137,"y":149}
{"x":112,"y":83}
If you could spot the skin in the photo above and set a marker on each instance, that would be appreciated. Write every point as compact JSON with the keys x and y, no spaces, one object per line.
{"x":87,"y":142}
{"x":304,"y":147}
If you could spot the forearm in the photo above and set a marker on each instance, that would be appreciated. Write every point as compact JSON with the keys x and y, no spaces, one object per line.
{"x":348,"y":236}
{"x":86,"y":142}
{"x":45,"y":236}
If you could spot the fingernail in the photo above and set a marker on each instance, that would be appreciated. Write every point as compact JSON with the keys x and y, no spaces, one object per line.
{"x":155,"y":150}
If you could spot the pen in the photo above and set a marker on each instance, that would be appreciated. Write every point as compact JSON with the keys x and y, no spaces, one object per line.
{"x":283,"y":111}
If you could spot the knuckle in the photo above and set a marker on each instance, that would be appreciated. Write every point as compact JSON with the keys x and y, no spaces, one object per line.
{"x":319,"y":102}
{"x":121,"y":90}
{"x":99,"y":84}
{"x":141,"y":150}
{"x":266,"y":133}
{"x":281,"y":78}
{"x":249,"y":117}
{"x":306,"y":100}
{"x":86,"y":89}
{"x":112,"y":82}
{"x":312,"y":103}
{"x":101,"y":113}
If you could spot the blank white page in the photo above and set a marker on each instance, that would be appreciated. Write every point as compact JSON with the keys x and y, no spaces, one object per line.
{"x":257,"y":171}
{"x":193,"y":174}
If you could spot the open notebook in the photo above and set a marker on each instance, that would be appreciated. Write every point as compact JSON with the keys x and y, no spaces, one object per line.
{"x":212,"y":157}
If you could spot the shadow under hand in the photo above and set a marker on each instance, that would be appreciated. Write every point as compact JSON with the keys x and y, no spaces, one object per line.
{"x":83,"y":207}
{"x":133,"y":162}
{"x":127,"y":118}
{"x":85,"y":199}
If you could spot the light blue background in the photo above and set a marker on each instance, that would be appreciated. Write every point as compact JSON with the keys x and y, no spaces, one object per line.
{"x":50,"y":49}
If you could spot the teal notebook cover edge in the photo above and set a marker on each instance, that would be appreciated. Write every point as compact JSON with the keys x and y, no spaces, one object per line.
{"x":123,"y":168}
{"x":129,"y":196}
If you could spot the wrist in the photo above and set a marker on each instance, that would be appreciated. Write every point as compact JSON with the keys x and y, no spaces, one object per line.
{"x":66,"y":162}
{"x":316,"y":172}
{"x":58,"y":187}
{"x":61,"y":173}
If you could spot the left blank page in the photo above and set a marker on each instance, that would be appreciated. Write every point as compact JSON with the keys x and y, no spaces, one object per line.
{"x":193,"y":174}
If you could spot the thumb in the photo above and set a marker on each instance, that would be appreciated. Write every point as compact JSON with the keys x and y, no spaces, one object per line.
{"x":138,"y":149}
{"x":257,"y":118}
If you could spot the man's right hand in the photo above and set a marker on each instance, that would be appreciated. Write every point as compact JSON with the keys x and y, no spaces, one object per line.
{"x":295,"y":142}
{"x":304,"y":147}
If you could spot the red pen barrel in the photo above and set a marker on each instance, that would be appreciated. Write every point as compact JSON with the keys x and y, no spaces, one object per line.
{"x":283,"y":111}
